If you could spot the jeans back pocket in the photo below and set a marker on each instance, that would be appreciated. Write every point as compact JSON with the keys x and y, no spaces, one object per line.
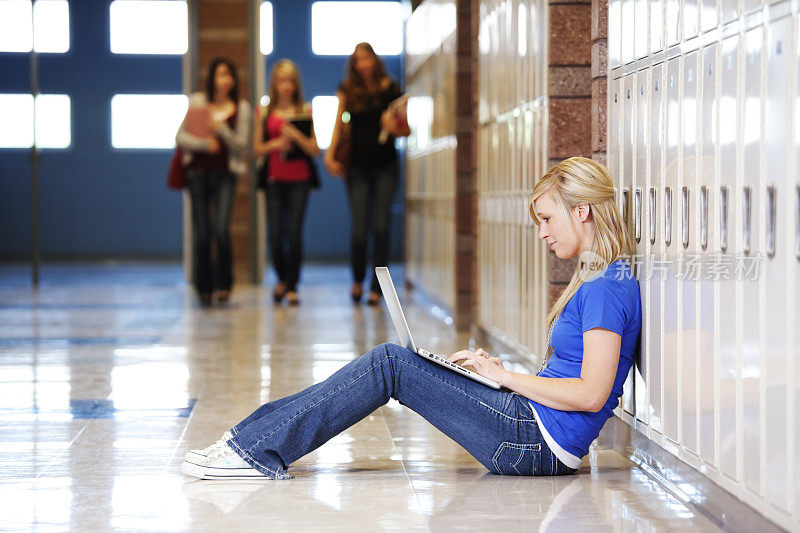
{"x":512,"y":459}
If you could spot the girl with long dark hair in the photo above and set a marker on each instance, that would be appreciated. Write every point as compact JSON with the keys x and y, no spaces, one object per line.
{"x":213,"y":160}
{"x":364,"y":96}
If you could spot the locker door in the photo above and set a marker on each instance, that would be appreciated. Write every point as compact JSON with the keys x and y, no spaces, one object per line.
{"x":672,"y":13}
{"x":706,"y":206}
{"x":655,"y":242}
{"x":690,"y":18}
{"x":794,"y":268}
{"x":640,"y":182}
{"x":750,"y":232}
{"x":774,"y":345}
{"x":626,"y":184}
{"x":614,"y":33}
{"x":730,"y":10}
{"x":656,"y":25}
{"x":708,"y":15}
{"x":614,"y":134}
{"x":672,"y":242}
{"x":688,"y":258}
{"x":726,"y":222}
{"x":640,"y":28}
{"x":626,"y":35}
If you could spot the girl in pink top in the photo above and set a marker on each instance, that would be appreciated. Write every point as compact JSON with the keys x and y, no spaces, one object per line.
{"x":288,"y":154}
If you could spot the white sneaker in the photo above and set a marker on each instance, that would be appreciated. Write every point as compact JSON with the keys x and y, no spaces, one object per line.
{"x":199,"y":456}
{"x":221,"y":463}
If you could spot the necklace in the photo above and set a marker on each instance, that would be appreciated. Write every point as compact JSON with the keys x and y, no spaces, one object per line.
{"x":548,"y":348}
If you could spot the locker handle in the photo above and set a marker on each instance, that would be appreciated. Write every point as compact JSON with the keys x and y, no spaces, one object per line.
{"x":668,"y":215}
{"x":685,"y":218}
{"x":704,"y":217}
{"x":771,"y":214}
{"x":797,"y":227}
{"x":746,"y":219}
{"x":637,"y":214}
{"x":723,"y":218}
{"x":653,"y":215}
{"x":626,"y":198}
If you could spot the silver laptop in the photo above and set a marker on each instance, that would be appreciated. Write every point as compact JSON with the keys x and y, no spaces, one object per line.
{"x":400,"y":324}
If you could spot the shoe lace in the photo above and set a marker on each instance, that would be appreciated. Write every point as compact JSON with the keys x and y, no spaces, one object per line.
{"x":219,"y":450}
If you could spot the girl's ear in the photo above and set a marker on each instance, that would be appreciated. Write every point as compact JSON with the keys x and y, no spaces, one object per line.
{"x":582,"y":212}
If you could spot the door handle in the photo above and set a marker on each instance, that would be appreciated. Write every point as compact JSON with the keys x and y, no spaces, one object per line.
{"x":723,"y":218}
{"x":652,"y":215}
{"x":685,"y":227}
{"x":704,"y":217}
{"x":771,"y":215}
{"x":746,"y":212}
{"x":637,"y":214}
{"x":668,"y":215}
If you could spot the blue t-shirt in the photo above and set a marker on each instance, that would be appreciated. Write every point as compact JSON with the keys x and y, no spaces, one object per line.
{"x":610,"y":301}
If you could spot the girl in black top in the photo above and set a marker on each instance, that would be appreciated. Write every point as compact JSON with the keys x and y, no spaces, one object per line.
{"x":365,"y":95}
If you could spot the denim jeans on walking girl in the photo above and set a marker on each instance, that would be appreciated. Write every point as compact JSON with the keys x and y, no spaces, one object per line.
{"x":497,"y":427}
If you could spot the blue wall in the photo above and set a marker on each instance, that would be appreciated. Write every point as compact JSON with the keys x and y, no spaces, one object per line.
{"x":97,"y":201}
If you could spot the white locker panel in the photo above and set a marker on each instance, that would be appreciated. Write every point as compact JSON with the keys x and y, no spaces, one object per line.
{"x":626,"y":184}
{"x":640,"y":28}
{"x":672,"y":16}
{"x":642,"y":155}
{"x":794,"y":267}
{"x":656,"y":25}
{"x":708,"y":15}
{"x":774,"y":346}
{"x":655,"y":241}
{"x":671,"y":209}
{"x":616,"y":95}
{"x":750,"y":234}
{"x":705,"y":208}
{"x":626,"y":35}
{"x":727,"y":222}
{"x":688,"y":259}
{"x":614,"y":33}
{"x":751,"y":5}
{"x":730,"y":10}
{"x":690,"y":16}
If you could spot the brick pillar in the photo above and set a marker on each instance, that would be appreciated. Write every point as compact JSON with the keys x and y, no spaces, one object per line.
{"x":570,"y":101}
{"x":466,"y":199}
{"x":599,"y":79}
{"x":222,"y":30}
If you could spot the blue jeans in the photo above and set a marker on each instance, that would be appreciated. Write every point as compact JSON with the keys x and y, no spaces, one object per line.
{"x":375,"y":188}
{"x":286,"y":207}
{"x":212,"y":201}
{"x":496,"y":427}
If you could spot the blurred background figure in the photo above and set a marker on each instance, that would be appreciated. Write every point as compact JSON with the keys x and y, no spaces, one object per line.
{"x":284,"y":135}
{"x":369,"y":166}
{"x":214,"y":136}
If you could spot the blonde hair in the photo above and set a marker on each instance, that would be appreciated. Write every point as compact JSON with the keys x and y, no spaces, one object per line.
{"x":287,"y":66}
{"x":579,"y":181}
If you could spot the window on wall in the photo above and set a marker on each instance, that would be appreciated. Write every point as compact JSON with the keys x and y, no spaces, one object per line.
{"x":149,"y":27}
{"x":146,"y":120}
{"x":336,"y":27}
{"x":323,"y":111}
{"x":43,"y":26}
{"x":266,"y":32}
{"x":52,"y":121}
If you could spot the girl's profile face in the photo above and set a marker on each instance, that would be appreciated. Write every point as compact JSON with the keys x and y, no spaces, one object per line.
{"x":364,"y":63}
{"x":223,"y":80}
{"x":285,"y":86}
{"x":557,"y":230}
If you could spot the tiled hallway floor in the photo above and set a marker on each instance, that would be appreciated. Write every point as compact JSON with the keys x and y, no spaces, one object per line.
{"x":109,"y":373}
